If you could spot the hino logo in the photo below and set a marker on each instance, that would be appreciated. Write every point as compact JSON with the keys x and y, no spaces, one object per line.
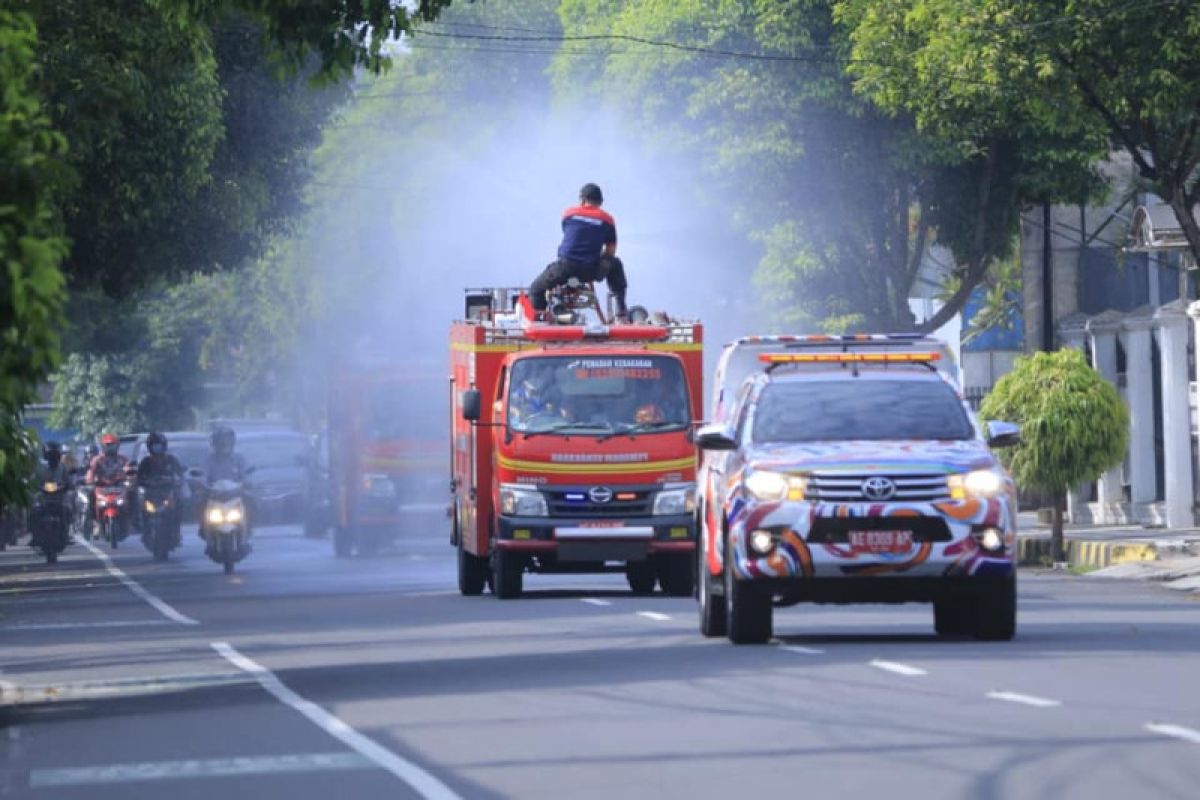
{"x":878,"y":488}
{"x":600,"y":494}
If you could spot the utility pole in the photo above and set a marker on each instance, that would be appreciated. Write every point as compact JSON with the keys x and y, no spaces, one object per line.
{"x":1047,"y":279}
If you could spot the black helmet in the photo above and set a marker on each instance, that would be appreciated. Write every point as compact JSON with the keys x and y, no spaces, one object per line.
{"x":223,"y":440}
{"x":53,"y":453}
{"x":156,"y":443}
{"x":591,"y":193}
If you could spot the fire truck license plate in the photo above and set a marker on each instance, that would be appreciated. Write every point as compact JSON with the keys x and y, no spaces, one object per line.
{"x":881,"y":541}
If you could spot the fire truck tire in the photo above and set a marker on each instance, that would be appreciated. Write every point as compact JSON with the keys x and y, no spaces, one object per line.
{"x":343,"y":542}
{"x":472,"y":573}
{"x":641,"y":576}
{"x":675,"y":574}
{"x":507,"y":574}
{"x":748,"y":611}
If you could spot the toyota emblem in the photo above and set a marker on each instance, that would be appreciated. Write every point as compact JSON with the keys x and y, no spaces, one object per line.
{"x":600,"y":494}
{"x":878,"y":488}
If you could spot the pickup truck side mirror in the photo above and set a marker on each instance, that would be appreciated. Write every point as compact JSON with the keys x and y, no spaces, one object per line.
{"x":470,"y":402}
{"x":1003,"y":434}
{"x":715,"y":437}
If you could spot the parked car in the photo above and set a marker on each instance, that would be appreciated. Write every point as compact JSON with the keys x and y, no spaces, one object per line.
{"x":281,"y":488}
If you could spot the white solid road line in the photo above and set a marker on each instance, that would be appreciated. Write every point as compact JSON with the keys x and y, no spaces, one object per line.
{"x":422,"y":782}
{"x":898,"y":668}
{"x":195,"y":768}
{"x":137,"y":588}
{"x":64,"y":626}
{"x":1174,"y":731}
{"x":654,"y":615}
{"x":1024,"y":699}
{"x":804,"y":651}
{"x":592,"y":601}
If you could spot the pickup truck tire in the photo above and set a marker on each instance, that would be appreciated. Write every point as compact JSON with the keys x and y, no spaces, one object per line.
{"x":712,"y":607}
{"x":996,"y":613}
{"x":954,"y":616}
{"x":507,"y":574}
{"x":472,"y":573}
{"x":748,"y":611}
{"x":641,"y":576}
{"x":675,"y":574}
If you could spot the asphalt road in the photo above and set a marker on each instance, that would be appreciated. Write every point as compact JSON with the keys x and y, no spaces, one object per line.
{"x":306,"y":676}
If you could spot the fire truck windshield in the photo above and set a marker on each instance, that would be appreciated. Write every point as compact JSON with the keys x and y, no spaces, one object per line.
{"x":597,"y":395}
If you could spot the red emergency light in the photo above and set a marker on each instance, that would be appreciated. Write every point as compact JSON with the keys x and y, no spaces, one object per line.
{"x":577,"y":333}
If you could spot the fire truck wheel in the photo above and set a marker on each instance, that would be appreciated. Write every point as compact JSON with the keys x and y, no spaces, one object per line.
{"x":675,"y":574}
{"x":472,"y":573}
{"x":368,"y":541}
{"x":507,"y":574}
{"x":641,"y":576}
{"x":343,"y":542}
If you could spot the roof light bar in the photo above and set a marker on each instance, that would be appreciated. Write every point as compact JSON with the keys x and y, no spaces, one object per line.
{"x":847,"y":358}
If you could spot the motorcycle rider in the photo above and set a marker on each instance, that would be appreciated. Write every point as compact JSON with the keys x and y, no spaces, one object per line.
{"x":222,"y":463}
{"x":106,"y":469}
{"x":159,"y":464}
{"x":52,"y":468}
{"x":588,"y":252}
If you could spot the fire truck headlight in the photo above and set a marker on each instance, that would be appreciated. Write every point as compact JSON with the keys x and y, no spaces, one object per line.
{"x":677,"y":500}
{"x":522,"y":501}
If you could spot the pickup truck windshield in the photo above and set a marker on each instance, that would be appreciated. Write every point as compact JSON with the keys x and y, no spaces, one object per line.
{"x":822,"y":411}
{"x":597,"y":395}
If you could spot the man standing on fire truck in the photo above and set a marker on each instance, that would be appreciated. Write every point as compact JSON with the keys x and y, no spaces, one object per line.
{"x":588,"y":251}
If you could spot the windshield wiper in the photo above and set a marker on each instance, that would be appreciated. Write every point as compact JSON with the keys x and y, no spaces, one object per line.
{"x":562,"y":427}
{"x":643,"y":427}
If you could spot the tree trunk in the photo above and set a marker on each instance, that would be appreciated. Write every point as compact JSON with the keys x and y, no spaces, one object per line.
{"x":1183,"y":215}
{"x":1058,"y":551}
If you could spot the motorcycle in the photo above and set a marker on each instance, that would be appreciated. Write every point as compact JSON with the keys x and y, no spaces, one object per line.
{"x":159,"y":503}
{"x":112,"y":518}
{"x":79,"y":512}
{"x":49,"y":520}
{"x":225,"y":528}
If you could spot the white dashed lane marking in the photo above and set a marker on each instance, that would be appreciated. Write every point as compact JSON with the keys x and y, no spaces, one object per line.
{"x":592,"y":601}
{"x":898,"y":668}
{"x":422,"y":782}
{"x":1024,"y":699}
{"x":654,"y":615}
{"x":804,"y":651}
{"x":65,"y":626}
{"x":1174,"y":731}
{"x":196,"y":768}
{"x":135,"y":587}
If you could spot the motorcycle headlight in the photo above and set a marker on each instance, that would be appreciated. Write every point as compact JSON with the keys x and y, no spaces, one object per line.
{"x":680,"y":500}
{"x":233,"y":515}
{"x":775,"y":486}
{"x":150,"y":506}
{"x":522,"y":501}
{"x":215,"y":516}
{"x":49,"y":487}
{"x":977,"y":483}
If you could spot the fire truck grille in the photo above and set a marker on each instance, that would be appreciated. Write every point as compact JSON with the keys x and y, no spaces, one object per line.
{"x":577,"y":504}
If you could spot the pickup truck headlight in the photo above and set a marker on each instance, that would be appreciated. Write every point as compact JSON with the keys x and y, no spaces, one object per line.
{"x":976,"y":483}
{"x":775,"y":486}
{"x":678,"y":500}
{"x":522,"y":501}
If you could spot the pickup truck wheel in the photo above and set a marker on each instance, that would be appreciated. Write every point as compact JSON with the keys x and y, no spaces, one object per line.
{"x":507,"y":574}
{"x":641,"y":576}
{"x":748,"y":611}
{"x":954,"y":616}
{"x":712,"y":607}
{"x":472,"y":573}
{"x":675,"y":574}
{"x":996,"y":613}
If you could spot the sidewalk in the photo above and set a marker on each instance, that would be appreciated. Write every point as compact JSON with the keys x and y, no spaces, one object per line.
{"x":1131,"y":551}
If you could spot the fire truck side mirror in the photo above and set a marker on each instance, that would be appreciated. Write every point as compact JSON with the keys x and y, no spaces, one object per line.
{"x":470,"y":403}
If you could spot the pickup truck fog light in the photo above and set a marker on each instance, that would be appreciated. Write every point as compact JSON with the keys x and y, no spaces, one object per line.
{"x":991,"y":540}
{"x":522,"y":501}
{"x":680,"y":500}
{"x":762,"y":542}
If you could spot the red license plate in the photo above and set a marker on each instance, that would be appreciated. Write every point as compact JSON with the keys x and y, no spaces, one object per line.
{"x":881,"y":541}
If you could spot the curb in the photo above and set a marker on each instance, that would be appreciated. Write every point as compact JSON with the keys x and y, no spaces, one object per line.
{"x":1087,"y":554}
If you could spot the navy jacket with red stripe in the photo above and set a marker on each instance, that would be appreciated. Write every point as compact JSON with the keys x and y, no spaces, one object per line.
{"x":586,"y":230}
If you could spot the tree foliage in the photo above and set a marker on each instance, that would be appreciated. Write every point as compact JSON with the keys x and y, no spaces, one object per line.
{"x":31,"y":247}
{"x":1071,"y":77}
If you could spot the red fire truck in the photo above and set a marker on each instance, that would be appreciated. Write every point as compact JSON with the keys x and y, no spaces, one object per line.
{"x":572,"y":447}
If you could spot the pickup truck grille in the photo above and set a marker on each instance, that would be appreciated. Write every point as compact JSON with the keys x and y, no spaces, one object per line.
{"x":841,"y":487}
{"x":560,"y":505}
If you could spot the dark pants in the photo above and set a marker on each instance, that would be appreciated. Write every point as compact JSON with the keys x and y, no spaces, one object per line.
{"x":558,"y":272}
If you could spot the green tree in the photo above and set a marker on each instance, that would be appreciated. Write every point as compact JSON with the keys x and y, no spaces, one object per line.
{"x":1074,"y":426}
{"x":1073,"y":77}
{"x":31,"y":247}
